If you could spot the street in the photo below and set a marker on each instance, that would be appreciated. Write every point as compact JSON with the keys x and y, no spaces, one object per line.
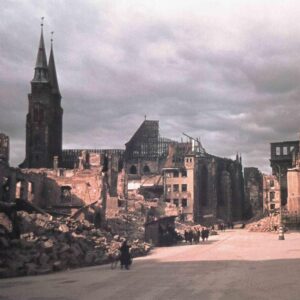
{"x":235,"y":264}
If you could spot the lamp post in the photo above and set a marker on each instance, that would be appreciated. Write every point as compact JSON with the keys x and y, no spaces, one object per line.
{"x":281,"y":231}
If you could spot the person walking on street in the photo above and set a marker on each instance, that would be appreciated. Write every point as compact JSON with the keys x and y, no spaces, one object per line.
{"x":125,"y":257}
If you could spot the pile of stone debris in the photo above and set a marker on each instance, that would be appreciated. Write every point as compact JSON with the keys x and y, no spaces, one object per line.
{"x":48,"y":244}
{"x":266,"y":224}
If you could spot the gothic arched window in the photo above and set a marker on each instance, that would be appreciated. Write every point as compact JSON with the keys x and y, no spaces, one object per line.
{"x":133,"y":170}
{"x":146,"y":170}
{"x":38,"y":113}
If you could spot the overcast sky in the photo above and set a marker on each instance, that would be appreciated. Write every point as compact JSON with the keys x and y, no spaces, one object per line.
{"x":225,"y":71}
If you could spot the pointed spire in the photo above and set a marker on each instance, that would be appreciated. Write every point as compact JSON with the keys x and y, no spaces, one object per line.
{"x":52,"y":70}
{"x":41,"y":69}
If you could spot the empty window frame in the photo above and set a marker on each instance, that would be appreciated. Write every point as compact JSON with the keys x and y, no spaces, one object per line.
{"x":175,"y":188}
{"x":184,"y":202}
{"x":183,"y":173}
{"x":168,"y":188}
{"x":176,"y":202}
{"x":184,"y":187}
{"x":175,"y":174}
{"x":168,"y":174}
{"x":278,"y":151}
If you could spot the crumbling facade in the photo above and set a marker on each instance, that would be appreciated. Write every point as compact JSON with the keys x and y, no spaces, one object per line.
{"x":254,"y":190}
{"x":15,"y":184}
{"x":271,"y":194}
{"x":4,"y":148}
{"x":62,"y":191}
{"x":179,"y":187}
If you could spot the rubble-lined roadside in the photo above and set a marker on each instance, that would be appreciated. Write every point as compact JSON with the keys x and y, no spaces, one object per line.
{"x":266,"y":224}
{"x":50,"y":244}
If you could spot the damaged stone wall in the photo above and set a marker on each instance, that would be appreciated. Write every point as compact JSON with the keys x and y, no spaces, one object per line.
{"x":16,"y":184}
{"x":293,"y":178}
{"x":64,"y":190}
{"x":254,"y":190}
{"x":219,"y":189}
{"x":4,"y":148}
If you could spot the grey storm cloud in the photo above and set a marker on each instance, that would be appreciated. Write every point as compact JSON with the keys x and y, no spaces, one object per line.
{"x":224,"y":71}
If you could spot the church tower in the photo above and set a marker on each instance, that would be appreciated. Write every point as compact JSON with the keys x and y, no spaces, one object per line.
{"x":44,"y":118}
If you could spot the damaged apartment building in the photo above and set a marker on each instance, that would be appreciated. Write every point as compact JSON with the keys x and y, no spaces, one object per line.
{"x":284,"y":156}
{"x":285,"y":163}
{"x":267,"y":193}
{"x":203,"y":186}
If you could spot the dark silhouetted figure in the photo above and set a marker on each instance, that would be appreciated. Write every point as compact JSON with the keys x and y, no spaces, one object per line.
{"x":197,"y":236}
{"x":186,"y":236}
{"x":190,"y":236}
{"x":206,"y":233}
{"x":125,"y":257}
{"x":203,"y":234}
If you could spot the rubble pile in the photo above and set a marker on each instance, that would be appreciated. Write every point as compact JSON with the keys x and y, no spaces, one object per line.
{"x":266,"y":224}
{"x":127,"y":224}
{"x":48,"y":244}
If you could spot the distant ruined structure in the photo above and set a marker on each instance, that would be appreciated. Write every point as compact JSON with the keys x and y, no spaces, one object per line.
{"x":4,"y":148}
{"x":205,"y":187}
{"x":283,"y":157}
{"x":285,"y":163}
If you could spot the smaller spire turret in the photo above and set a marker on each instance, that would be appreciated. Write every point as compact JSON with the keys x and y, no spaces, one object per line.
{"x":52,"y":70}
